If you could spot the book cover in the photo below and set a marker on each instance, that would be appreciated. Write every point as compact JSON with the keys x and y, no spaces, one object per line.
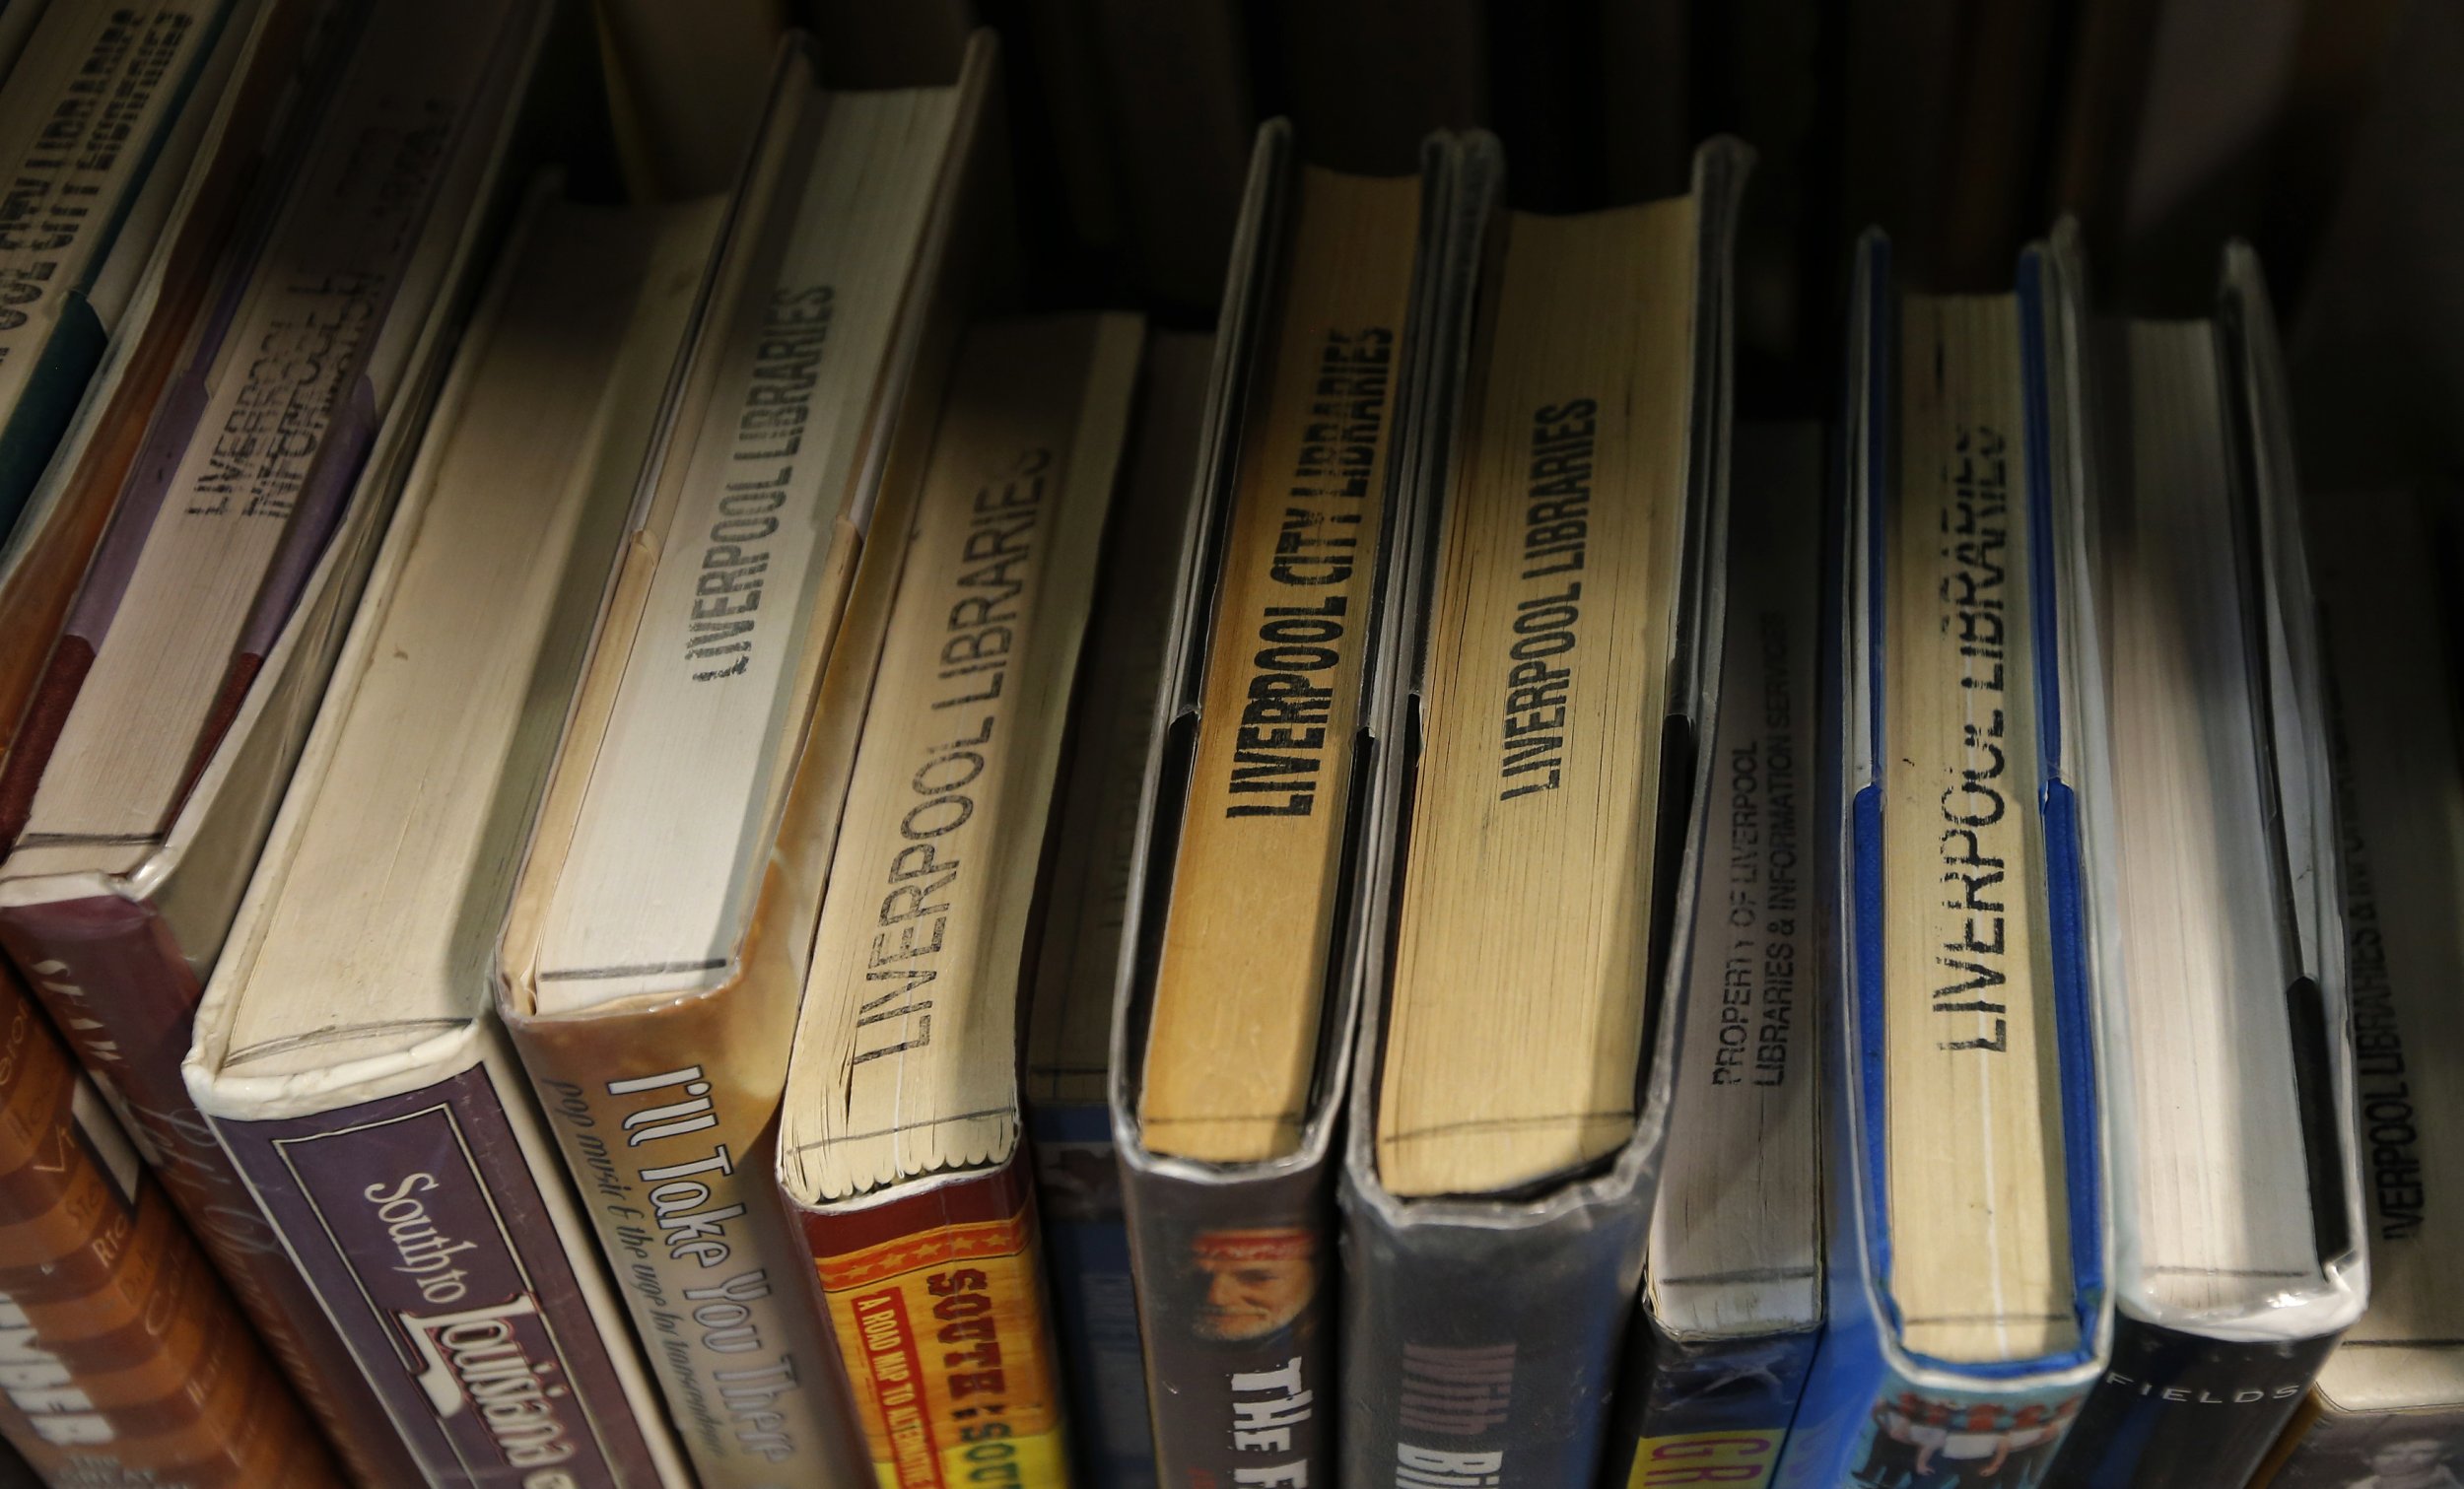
{"x":433,"y":1226}
{"x":691,"y":1076}
{"x":937,"y":1302}
{"x":127,"y":1361}
{"x":115,"y":937}
{"x":1483,"y":1330}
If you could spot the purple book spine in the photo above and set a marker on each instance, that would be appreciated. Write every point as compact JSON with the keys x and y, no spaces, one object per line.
{"x":418,"y":1222}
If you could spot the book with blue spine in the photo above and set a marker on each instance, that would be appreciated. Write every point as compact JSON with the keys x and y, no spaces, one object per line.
{"x":1964,"y":1085}
{"x":1084,"y":936}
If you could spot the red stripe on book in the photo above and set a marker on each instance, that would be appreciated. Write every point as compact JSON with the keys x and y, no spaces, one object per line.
{"x":46,"y":717}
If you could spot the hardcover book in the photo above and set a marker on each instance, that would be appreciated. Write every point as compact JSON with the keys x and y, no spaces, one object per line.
{"x":148,"y":770}
{"x":127,"y":1361}
{"x":1554,"y":690}
{"x":2389,"y":1404}
{"x":347,"y":1052}
{"x":1732,"y":1300}
{"x":1966,"y":1311}
{"x":1082,"y":938}
{"x":1232,"y":1035}
{"x":2210,"y":899}
{"x":900,"y":1149}
{"x":100,"y":98}
{"x":650,"y":966}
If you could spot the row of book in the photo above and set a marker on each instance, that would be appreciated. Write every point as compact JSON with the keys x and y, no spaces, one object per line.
{"x":643,"y":844}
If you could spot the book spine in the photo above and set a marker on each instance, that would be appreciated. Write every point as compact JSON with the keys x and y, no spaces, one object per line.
{"x":2174,"y":1408}
{"x":125,"y":1359}
{"x":2328,"y":1449}
{"x":119,"y":989}
{"x":1481,"y":1354}
{"x":936,"y":1301}
{"x":1236,"y":1296}
{"x":418,"y":1223}
{"x":669,"y":1140}
{"x":1707,"y":1412}
{"x":1077,"y":1182}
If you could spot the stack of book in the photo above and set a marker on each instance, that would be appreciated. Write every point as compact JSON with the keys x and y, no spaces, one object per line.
{"x":663,"y":842}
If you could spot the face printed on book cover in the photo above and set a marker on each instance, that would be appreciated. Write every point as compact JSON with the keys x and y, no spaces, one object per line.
{"x":2407,"y":1463}
{"x":1256,"y":1281}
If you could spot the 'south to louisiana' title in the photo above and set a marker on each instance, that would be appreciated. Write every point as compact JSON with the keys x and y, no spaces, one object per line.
{"x":477,"y":1359}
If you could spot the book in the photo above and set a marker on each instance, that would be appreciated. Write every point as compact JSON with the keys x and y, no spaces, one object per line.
{"x":92,"y":98}
{"x":1082,"y":935}
{"x":150,"y":291}
{"x":127,"y":1361}
{"x":900,"y":1145}
{"x":346,"y":1051}
{"x":2209,"y":834}
{"x":1965,"y":1244}
{"x":689,"y":818}
{"x":1562,"y":663}
{"x":137,"y":795}
{"x":1731,"y":1297}
{"x":2389,"y":1404}
{"x":1233,"y":1021}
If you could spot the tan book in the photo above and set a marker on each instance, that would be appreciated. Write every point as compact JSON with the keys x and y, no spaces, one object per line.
{"x":1239,"y":995}
{"x":1560,"y":677}
{"x":655,"y":950}
{"x":1261,"y":809}
{"x":1537,"y":810}
{"x":900,"y":1134}
{"x":1980,"y":1265}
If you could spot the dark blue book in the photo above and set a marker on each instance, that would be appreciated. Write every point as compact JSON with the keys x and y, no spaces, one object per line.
{"x":1082,"y":940}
